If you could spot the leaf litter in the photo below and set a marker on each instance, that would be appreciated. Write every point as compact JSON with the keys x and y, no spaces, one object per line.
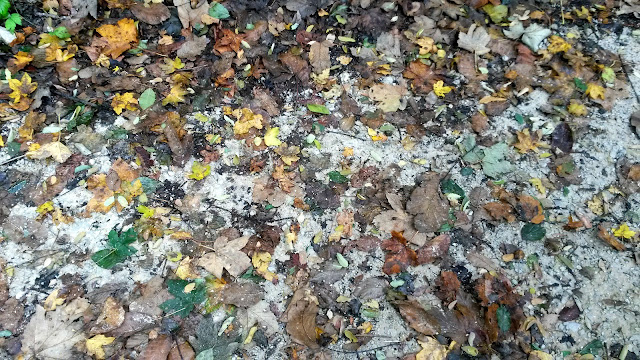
{"x":196,"y":179}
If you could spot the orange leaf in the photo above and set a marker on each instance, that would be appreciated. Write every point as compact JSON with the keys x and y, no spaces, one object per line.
{"x":120,"y":37}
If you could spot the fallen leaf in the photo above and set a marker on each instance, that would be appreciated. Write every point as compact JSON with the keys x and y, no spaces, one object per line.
{"x":95,"y":344}
{"x":475,"y":40}
{"x":530,"y":209}
{"x":246,"y":120}
{"x":595,"y":91}
{"x":398,"y":255}
{"x":319,"y":56}
{"x":431,"y":350}
{"x":226,"y":255}
{"x":434,"y":249}
{"x":441,"y":90}
{"x":423,"y":76}
{"x":300,"y":317}
{"x":124,"y":101}
{"x":260,"y":314}
{"x":153,"y":14}
{"x":55,"y":150}
{"x":64,"y":331}
{"x":242,"y":294}
{"x":271,"y":137}
{"x":430,"y":210}
{"x":606,"y":236}
{"x":388,"y":96}
{"x":500,"y":211}
{"x":175,"y":95}
{"x":119,"y":38}
{"x":21,"y":88}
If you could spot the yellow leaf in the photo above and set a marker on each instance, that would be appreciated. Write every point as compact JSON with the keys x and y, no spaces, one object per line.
{"x":441,"y":90}
{"x":20,"y":60}
{"x":176,"y":95}
{"x":431,"y":350}
{"x":199,"y":171}
{"x":487,"y":99}
{"x":623,"y":231}
{"x":21,"y":88}
{"x":348,"y":151}
{"x":577,"y":109}
{"x":271,"y":137}
{"x":261,"y":263}
{"x":55,"y":150}
{"x":95,"y":344}
{"x":246,"y":120}
{"x":538,"y":184}
{"x":186,"y":269}
{"x":376,"y":135}
{"x":45,"y":208}
{"x":170,"y":66}
{"x":557,"y":44}
{"x":52,"y":301}
{"x":120,"y":37}
{"x":123,"y":101}
{"x":595,"y":91}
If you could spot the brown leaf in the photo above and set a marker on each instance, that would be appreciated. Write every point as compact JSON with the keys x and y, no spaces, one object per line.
{"x":296,"y":65}
{"x":434,"y":249}
{"x":111,"y":317}
{"x":181,"y":150}
{"x":242,"y":294}
{"x":226,"y":255}
{"x":634,"y":172}
{"x":448,"y":286}
{"x":264,"y":100}
{"x":154,"y":13}
{"x":399,"y":257}
{"x":423,"y":76}
{"x":300,"y":317}
{"x":157,"y":349}
{"x":319,"y":56}
{"x":418,"y":318}
{"x":183,"y":351}
{"x":530,"y":209}
{"x":430,"y":211}
{"x":500,"y":211}
{"x":605,"y":236}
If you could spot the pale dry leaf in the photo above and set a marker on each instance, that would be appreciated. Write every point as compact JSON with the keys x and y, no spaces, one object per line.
{"x":153,"y":14}
{"x":242,"y":294}
{"x":388,"y":96}
{"x":55,"y":150}
{"x":475,"y":40}
{"x":260,"y":314}
{"x":300,"y":317}
{"x":189,"y":16}
{"x":226,"y":255}
{"x":319,"y":56}
{"x":52,"y":335}
{"x":399,"y":221}
{"x":193,"y":47}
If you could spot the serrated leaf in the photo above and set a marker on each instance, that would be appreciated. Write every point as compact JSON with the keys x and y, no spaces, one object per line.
{"x":183,"y":302}
{"x":118,"y":251}
{"x":61,"y":32}
{"x":147,"y":99}
{"x":218,"y":11}
{"x":533,"y":232}
{"x":4,"y":8}
{"x":320,"y":109}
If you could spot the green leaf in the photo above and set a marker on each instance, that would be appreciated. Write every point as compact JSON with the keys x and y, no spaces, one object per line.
{"x":608,"y":75}
{"x":336,"y":177}
{"x":12,"y":21}
{"x":183,"y":303}
{"x":320,"y":109}
{"x":148,"y":185}
{"x":5,"y":333}
{"x":61,"y":32}
{"x":519,"y":119}
{"x":592,"y":347}
{"x":580,"y":84}
{"x":218,"y":11}
{"x":118,"y":251}
{"x":493,"y":163}
{"x":504,"y":318}
{"x":147,"y":99}
{"x":450,"y":187}
{"x":533,"y":232}
{"x":4,"y":8}
{"x":496,"y":13}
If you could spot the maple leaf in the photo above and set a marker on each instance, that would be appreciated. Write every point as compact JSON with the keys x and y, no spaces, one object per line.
{"x":557,"y":44}
{"x":576,"y":108}
{"x":124,"y":101}
{"x":623,"y":231}
{"x":388,"y":96}
{"x":119,"y":38}
{"x":261,"y":261}
{"x":441,"y":90}
{"x":246,"y":120}
{"x":595,"y":91}
{"x":175,"y":96}
{"x":19,"y":61}
{"x":228,"y":41}
{"x":56,"y":150}
{"x":199,"y":171}
{"x":226,"y":254}
{"x":171,"y":66}
{"x":21,"y":88}
{"x":399,"y":257}
{"x":95,"y":344}
{"x":422,"y":75}
{"x":529,"y":142}
{"x":475,"y":40}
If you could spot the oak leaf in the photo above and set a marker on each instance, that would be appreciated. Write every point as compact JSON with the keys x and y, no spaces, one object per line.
{"x":226,"y":254}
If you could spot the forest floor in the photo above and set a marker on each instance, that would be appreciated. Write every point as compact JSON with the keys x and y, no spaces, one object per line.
{"x":291,"y":179}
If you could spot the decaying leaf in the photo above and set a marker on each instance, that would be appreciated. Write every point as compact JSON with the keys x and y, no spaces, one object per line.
{"x":398,"y":255}
{"x":430,"y":210}
{"x":300,"y":317}
{"x":55,"y":150}
{"x":226,"y":255}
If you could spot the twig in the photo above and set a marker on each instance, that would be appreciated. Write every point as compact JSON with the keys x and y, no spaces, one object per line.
{"x":12,"y":159}
{"x":75,"y":98}
{"x":345,"y":134}
{"x":395,"y":343}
